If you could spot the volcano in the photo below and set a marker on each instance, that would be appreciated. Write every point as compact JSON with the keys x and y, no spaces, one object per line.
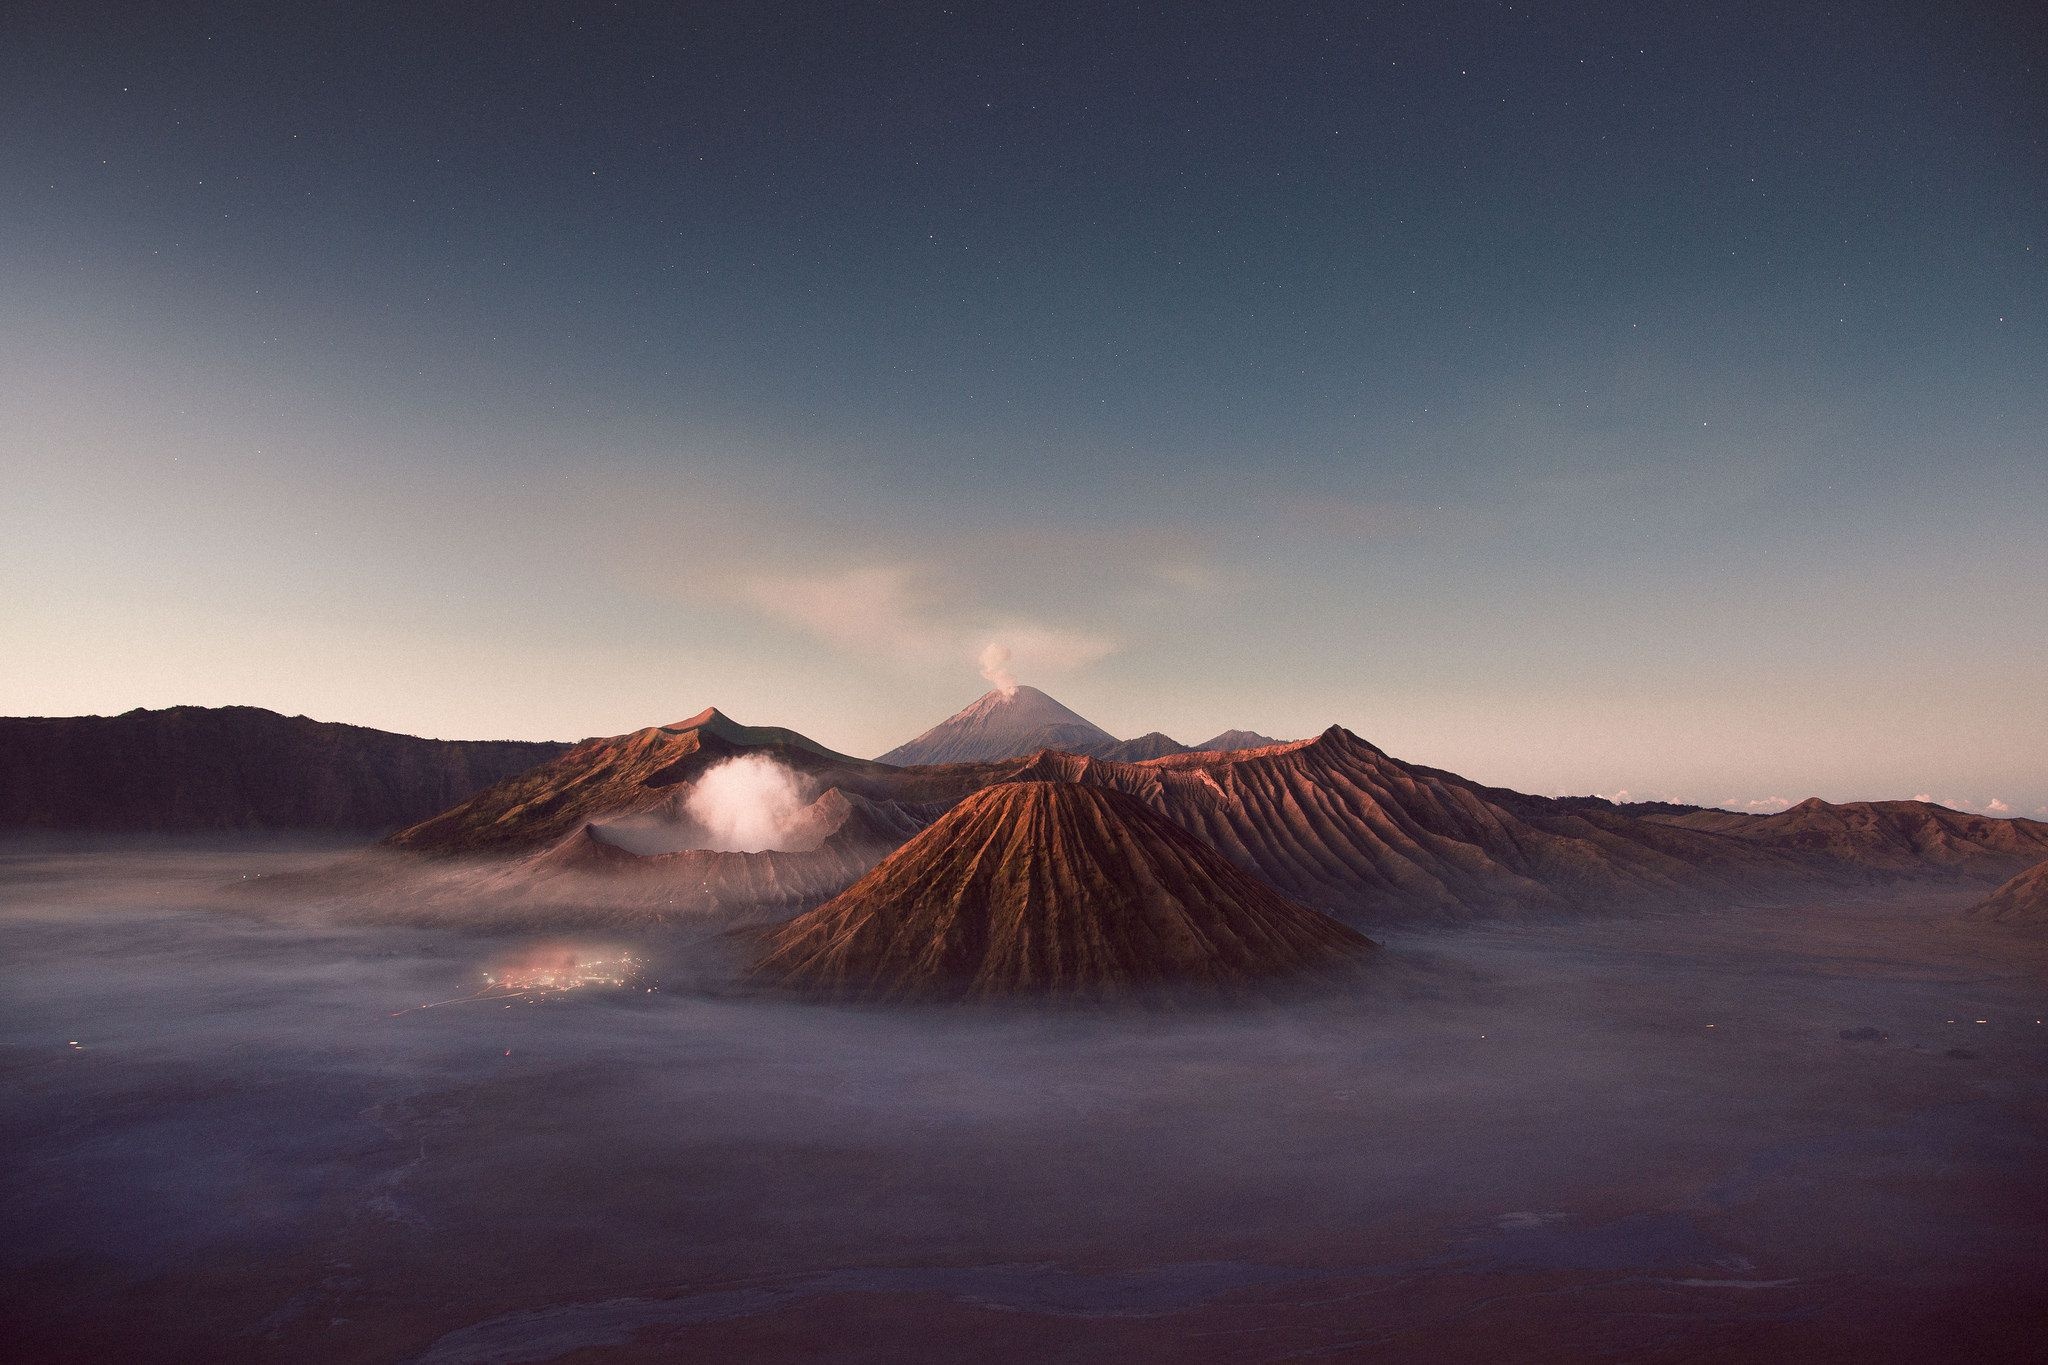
{"x":1337,"y":824}
{"x":611,"y":778}
{"x":1003,"y":724}
{"x":1019,"y":723}
{"x":1332,"y":823}
{"x":1053,"y":889}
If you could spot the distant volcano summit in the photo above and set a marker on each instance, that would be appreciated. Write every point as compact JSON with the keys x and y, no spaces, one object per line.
{"x":1053,"y":889}
{"x":1004,"y":725}
{"x":1020,"y":722}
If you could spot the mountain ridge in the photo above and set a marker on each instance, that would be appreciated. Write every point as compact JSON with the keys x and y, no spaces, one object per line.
{"x":185,"y":769}
{"x":1332,"y":822}
{"x":1899,"y":837}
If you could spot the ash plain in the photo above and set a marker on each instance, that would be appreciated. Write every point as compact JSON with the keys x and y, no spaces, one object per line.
{"x":228,"y":1133}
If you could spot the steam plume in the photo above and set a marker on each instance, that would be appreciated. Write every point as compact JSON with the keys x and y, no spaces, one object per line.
{"x":747,"y":804}
{"x":995,"y":666}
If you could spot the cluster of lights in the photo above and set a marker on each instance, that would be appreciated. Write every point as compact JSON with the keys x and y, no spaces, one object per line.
{"x":573,"y":974}
{"x":550,"y":975}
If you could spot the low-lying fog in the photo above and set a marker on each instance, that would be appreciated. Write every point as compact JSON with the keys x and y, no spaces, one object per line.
{"x":229,"y":1132}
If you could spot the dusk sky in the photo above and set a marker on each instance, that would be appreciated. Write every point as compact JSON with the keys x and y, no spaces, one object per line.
{"x":1580,"y":398}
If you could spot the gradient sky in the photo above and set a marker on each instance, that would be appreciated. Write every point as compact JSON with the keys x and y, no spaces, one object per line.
{"x":1580,"y":398}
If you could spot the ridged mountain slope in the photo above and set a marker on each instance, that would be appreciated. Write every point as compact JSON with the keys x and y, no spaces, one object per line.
{"x":2022,"y":900}
{"x":1052,"y":888}
{"x":1336,"y":823}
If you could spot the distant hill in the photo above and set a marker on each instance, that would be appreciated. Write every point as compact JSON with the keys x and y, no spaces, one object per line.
{"x":190,"y":769}
{"x":1902,"y":838}
{"x":1003,"y":724}
{"x":1232,"y":740}
{"x":1053,"y":888}
{"x":1151,"y":745}
{"x":1645,"y":808}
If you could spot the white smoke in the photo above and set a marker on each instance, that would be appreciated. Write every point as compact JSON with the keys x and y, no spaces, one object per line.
{"x":995,"y":666}
{"x":749,"y":804}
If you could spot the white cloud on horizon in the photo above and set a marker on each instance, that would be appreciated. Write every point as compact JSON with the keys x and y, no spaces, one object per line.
{"x":1626,"y":795}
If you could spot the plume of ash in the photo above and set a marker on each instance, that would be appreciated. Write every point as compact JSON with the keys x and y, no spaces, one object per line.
{"x":995,"y":666}
{"x":748,"y":804}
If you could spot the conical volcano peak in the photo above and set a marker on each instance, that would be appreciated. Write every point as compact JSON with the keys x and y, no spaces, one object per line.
{"x":1001,"y":724}
{"x":1022,"y":706}
{"x":1054,"y":889}
{"x":1339,"y":737}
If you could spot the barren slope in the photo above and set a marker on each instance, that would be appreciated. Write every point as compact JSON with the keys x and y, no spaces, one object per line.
{"x":2022,"y":900}
{"x":1337,"y":824}
{"x":1051,"y":888}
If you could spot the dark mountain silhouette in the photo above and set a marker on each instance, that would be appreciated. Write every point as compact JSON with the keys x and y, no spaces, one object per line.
{"x":2022,"y":900}
{"x":1052,"y":888}
{"x":609,"y":778}
{"x":1601,"y":803}
{"x":200,"y":768}
{"x":1003,"y":724}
